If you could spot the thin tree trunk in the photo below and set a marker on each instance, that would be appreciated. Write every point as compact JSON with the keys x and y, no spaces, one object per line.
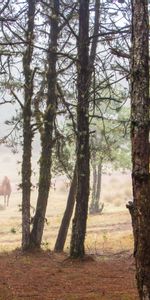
{"x":63,"y":230}
{"x":83,"y":155}
{"x":95,"y":34}
{"x":140,"y":208}
{"x":85,"y":69}
{"x":91,"y":62}
{"x":47,"y":133}
{"x":92,"y":205}
{"x":27,"y":131}
{"x":98,"y":189}
{"x":96,"y":206}
{"x":94,"y":184}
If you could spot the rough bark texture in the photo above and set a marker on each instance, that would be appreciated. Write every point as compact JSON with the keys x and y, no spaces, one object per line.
{"x":27,"y":132}
{"x":63,"y":230}
{"x":83,"y":156}
{"x":140,"y":208}
{"x":47,"y":133}
{"x":70,"y":202}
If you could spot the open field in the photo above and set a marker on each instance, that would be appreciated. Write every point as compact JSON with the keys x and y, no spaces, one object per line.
{"x":107,"y":274}
{"x":110,"y":231}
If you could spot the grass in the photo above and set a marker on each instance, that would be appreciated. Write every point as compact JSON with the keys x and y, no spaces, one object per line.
{"x":103,"y":231}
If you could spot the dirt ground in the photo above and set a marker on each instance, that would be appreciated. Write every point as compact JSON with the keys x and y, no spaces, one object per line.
{"x":49,"y":276}
{"x":108,"y":273}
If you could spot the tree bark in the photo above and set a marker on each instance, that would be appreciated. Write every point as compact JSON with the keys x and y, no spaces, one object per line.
{"x":47,"y":132}
{"x":63,"y":230}
{"x":140,"y":208}
{"x":27,"y":131}
{"x":83,"y":155}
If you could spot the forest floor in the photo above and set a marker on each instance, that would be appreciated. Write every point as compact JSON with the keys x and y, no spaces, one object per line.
{"x":49,"y":276}
{"x":107,"y":273}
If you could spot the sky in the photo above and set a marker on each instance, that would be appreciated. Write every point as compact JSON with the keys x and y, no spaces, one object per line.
{"x":9,"y":162}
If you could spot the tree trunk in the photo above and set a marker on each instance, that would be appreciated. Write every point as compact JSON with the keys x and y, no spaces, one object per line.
{"x":63,"y":230}
{"x":140,"y":208}
{"x":98,"y":190}
{"x":47,"y":133}
{"x":96,"y":206}
{"x":85,"y":69}
{"x":92,"y":206}
{"x":94,"y":184}
{"x":27,"y":131}
{"x":83,"y":156}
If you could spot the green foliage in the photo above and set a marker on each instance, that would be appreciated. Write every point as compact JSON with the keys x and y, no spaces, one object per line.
{"x":13,"y":230}
{"x":110,"y":142}
{"x":64,"y":152}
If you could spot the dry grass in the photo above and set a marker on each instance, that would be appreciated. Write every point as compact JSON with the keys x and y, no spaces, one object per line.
{"x":110,"y":231}
{"x":116,"y":189}
{"x":110,"y":276}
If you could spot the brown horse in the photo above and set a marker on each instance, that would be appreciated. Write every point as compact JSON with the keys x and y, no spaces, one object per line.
{"x":5,"y":190}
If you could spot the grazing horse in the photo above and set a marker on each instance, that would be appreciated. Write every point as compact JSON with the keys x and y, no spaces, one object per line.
{"x":5,"y":190}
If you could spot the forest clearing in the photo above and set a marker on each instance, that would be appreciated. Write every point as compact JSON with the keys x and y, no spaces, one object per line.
{"x":106,"y":273}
